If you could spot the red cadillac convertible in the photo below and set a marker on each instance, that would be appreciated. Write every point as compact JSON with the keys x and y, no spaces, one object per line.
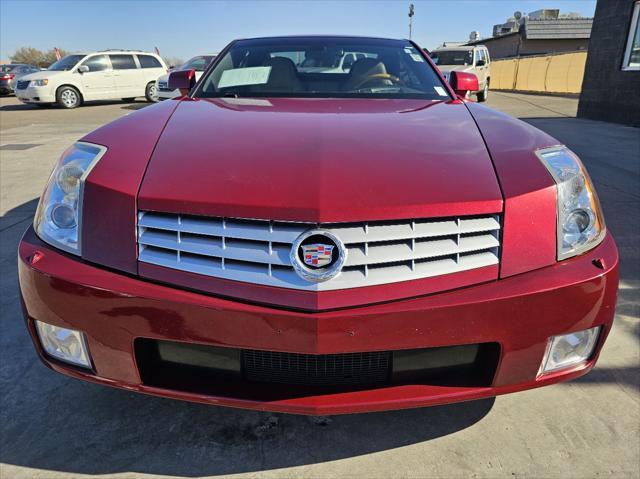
{"x":320,"y":225}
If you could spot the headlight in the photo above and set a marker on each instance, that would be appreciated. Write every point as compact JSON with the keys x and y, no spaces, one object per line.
{"x":580,"y":222}
{"x":44,"y":82}
{"x":59,"y":212}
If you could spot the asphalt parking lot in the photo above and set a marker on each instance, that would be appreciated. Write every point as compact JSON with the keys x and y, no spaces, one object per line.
{"x":52,"y":426}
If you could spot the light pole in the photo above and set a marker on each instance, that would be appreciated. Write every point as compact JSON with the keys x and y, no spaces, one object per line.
{"x":411,"y":14}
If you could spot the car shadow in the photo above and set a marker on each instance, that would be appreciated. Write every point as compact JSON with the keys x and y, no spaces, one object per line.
{"x":21,"y":107}
{"x":140,"y":102}
{"x":137,"y":105}
{"x":18,"y":214}
{"x":628,"y":377}
{"x":72,"y":427}
{"x":129,"y":105}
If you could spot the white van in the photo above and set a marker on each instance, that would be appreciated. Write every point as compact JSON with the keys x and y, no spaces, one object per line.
{"x":104,"y":75}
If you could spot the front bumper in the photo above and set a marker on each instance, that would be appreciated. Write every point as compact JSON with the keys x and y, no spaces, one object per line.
{"x":33,"y":94}
{"x":519,"y":313}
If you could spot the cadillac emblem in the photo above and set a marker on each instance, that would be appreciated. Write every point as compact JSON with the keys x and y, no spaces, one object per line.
{"x":317,"y":255}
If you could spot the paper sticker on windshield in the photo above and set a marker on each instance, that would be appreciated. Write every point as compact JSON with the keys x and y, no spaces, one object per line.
{"x":417,"y":57}
{"x":244,"y":76}
{"x":440,"y":91}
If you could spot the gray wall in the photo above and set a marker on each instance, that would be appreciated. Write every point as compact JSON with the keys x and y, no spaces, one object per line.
{"x":502,"y":47}
{"x":609,"y":93}
{"x":541,"y":47}
{"x":512,"y":45}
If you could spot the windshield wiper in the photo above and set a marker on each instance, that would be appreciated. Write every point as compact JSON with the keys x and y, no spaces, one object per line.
{"x":230,"y":95}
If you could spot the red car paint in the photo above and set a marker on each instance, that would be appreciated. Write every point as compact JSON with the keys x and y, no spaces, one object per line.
{"x":315,"y":164}
{"x":114,"y":184}
{"x":376,"y":160}
{"x":183,"y":80}
{"x":529,"y":193}
{"x":463,"y":82}
{"x":520,"y":312}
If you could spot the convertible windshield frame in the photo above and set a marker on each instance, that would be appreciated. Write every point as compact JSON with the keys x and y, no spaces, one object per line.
{"x":445,"y":91}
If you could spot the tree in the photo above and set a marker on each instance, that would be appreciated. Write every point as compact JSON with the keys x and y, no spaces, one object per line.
{"x":29,"y":55}
{"x":33,"y":56}
{"x":173,"y":61}
{"x":50,"y":57}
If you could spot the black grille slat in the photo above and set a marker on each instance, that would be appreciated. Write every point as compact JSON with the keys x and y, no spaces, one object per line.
{"x":316,"y":370}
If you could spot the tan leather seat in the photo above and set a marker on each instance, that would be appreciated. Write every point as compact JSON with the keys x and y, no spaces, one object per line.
{"x":363,"y":69}
{"x":283,"y":77}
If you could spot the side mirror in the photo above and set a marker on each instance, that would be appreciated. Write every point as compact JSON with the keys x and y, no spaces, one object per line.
{"x":481,"y":63}
{"x":83,"y":69}
{"x":183,"y":80}
{"x":463,"y":83}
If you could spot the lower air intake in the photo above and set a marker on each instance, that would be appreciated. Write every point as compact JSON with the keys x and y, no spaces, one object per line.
{"x":317,"y":370}
{"x":269,"y":376}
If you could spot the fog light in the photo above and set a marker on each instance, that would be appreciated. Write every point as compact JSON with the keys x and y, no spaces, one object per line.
{"x":569,"y":350}
{"x":67,"y":345}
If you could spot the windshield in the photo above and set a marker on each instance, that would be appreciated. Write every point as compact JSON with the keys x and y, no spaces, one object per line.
{"x":320,"y":67}
{"x":7,"y":68}
{"x":199,"y":64}
{"x":453,"y":57}
{"x":66,"y":63}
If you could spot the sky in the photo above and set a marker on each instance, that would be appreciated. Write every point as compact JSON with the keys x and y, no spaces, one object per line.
{"x":181,"y":29}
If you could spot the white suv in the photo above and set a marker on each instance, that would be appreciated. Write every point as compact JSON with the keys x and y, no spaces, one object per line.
{"x":466,"y":58}
{"x":84,"y":77}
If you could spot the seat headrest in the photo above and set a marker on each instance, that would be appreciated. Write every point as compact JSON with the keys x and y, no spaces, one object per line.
{"x":367,"y":67}
{"x":363,"y":68}
{"x":280,"y":63}
{"x":283,"y":76}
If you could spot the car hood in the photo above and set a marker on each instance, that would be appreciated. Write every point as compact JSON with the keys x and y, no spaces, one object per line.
{"x":457,"y":68}
{"x":42,"y":75}
{"x":321,"y":160}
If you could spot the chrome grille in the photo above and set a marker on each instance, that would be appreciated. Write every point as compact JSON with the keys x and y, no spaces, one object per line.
{"x":22,"y":84}
{"x":256,"y":251}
